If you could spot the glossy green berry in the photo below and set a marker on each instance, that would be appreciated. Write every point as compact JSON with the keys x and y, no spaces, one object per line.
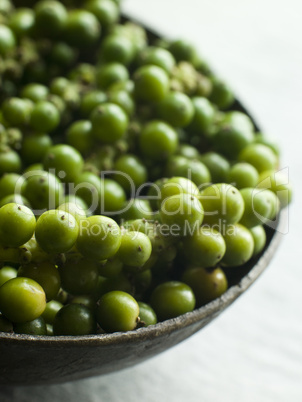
{"x":51,"y":17}
{"x":260,"y":156}
{"x":205,"y":248}
{"x":207,"y":284}
{"x":74,"y":319}
{"x":183,"y":213}
{"x":135,"y":249}
{"x":106,"y":11}
{"x":65,"y":161}
{"x":45,"y":274}
{"x":111,"y":73}
{"x":109,"y":122}
{"x":45,"y":117}
{"x":117,"y":48}
{"x":172,"y":299}
{"x":7,"y":273}
{"x":43,"y":190}
{"x":34,"y":327}
{"x":223,"y":203}
{"x":151,"y":83}
{"x":99,"y":238}
{"x":158,"y":140}
{"x":117,"y":312}
{"x":16,"y":111}
{"x":22,"y":300}
{"x":17,"y":225}
{"x":56,"y":231}
{"x":82,"y":28}
{"x":239,"y":245}
{"x":146,"y":314}
{"x":176,"y":109}
{"x":242,"y":175}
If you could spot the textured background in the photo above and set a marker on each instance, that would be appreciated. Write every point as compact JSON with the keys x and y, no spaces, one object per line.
{"x":253,"y":352}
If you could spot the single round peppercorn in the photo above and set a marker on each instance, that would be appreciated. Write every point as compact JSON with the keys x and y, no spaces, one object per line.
{"x":207,"y":284}
{"x":151,"y":83}
{"x":17,"y":225}
{"x":56,"y":231}
{"x":109,"y":122}
{"x":171,"y":299}
{"x":99,"y":238}
{"x":117,"y":311}
{"x":22,"y":300}
{"x":74,"y":319}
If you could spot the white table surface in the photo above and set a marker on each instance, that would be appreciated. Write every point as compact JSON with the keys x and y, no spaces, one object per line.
{"x":253,"y":351}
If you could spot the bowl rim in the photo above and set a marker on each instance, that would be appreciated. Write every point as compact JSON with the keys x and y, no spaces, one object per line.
{"x":211,"y":310}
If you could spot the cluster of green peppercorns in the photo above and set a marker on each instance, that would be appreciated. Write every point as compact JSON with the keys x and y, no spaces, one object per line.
{"x":128,"y":179}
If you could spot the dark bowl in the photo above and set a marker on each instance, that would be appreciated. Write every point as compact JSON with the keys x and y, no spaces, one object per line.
{"x":29,"y":360}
